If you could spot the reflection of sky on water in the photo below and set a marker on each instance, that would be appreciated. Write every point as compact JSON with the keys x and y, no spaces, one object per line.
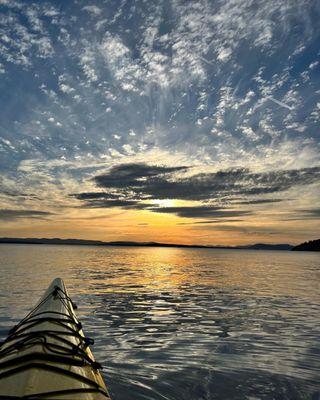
{"x":177,"y":323}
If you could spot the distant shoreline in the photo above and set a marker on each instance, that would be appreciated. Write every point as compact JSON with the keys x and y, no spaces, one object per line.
{"x":83,"y":242}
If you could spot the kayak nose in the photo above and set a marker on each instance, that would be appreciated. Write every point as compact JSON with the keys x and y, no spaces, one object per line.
{"x":47,"y":354}
{"x":57,"y":282}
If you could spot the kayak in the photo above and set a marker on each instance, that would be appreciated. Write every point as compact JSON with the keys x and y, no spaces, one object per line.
{"x":47,"y":356}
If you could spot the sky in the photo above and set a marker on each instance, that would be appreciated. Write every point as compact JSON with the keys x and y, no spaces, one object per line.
{"x":167,"y":120}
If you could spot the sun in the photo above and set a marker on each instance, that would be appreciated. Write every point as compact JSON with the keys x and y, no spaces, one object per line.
{"x":164,"y":202}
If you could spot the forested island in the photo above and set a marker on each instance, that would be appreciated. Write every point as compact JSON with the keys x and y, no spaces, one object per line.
{"x":312,"y":245}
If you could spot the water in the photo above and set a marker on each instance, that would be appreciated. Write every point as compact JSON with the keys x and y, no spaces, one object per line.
{"x":183,"y":324}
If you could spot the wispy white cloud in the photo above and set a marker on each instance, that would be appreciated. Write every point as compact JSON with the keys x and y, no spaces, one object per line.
{"x":280,"y":103}
{"x":211,"y":84}
{"x":92,"y":9}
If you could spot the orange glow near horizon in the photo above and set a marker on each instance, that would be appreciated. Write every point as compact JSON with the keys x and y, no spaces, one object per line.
{"x":146,"y":226}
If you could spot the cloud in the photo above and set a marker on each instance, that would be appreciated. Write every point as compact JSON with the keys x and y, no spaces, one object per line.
{"x":258,"y":201}
{"x":155,"y":182}
{"x":280,"y":103}
{"x":200,"y":212}
{"x":126,"y":204}
{"x":95,"y":195}
{"x":8,"y":214}
{"x":314,"y":212}
{"x":24,"y":41}
{"x":133,"y":175}
{"x":210,"y":221}
{"x":309,"y":214}
{"x":92,"y":10}
{"x":126,"y":185}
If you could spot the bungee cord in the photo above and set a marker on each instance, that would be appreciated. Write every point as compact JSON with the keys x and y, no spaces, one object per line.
{"x":58,"y":348}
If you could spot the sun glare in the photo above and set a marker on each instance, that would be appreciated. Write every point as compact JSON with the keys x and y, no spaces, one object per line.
{"x":164,"y":203}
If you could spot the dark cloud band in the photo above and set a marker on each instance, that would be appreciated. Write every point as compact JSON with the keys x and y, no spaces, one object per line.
{"x":8,"y":214}
{"x":154,"y":182}
{"x":127,"y":185}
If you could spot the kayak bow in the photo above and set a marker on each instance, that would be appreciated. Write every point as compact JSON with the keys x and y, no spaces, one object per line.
{"x":47,"y":356}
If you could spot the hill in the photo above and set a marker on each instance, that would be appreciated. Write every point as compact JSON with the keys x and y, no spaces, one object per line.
{"x":82,"y":242}
{"x":312,"y":245}
{"x":263,"y":246}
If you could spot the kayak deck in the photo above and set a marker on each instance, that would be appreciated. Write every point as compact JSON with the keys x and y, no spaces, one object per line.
{"x":47,"y":356}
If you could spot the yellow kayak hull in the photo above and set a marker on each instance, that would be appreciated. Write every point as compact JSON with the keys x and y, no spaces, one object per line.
{"x":46,"y":356}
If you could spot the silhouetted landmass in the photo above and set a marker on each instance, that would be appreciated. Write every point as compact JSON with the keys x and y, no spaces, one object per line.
{"x":263,"y":246}
{"x":82,"y":242}
{"x":75,"y":242}
{"x":312,"y":245}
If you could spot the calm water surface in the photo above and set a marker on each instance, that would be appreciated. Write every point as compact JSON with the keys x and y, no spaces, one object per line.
{"x":183,"y":323}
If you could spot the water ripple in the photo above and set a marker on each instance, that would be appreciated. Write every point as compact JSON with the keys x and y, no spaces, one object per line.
{"x":184,"y":324}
